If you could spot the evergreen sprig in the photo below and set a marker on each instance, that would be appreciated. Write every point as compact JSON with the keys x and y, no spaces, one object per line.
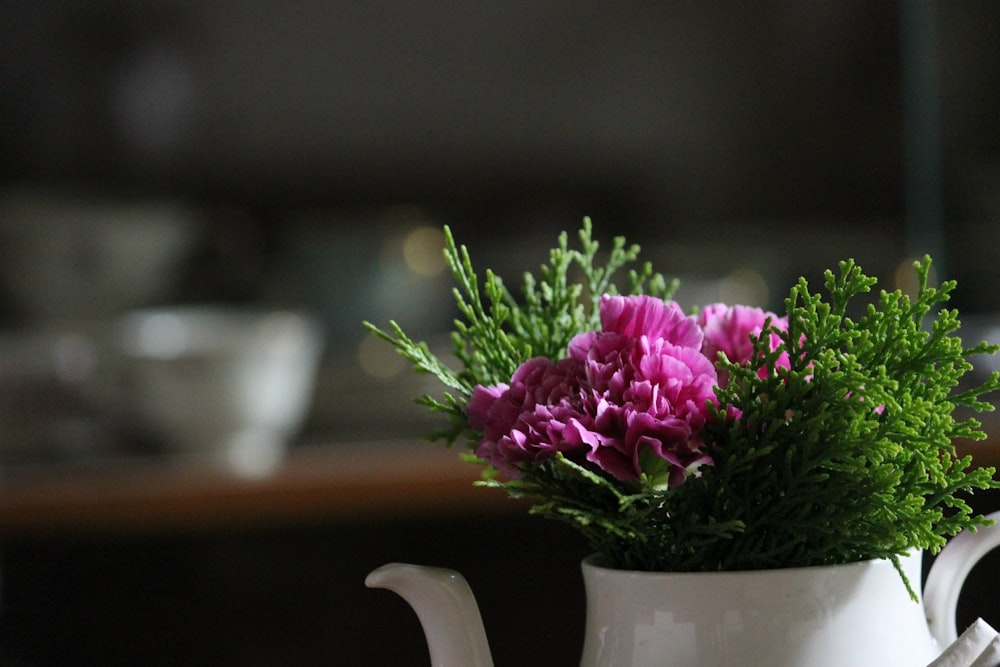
{"x":843,"y":453}
{"x":496,"y":332}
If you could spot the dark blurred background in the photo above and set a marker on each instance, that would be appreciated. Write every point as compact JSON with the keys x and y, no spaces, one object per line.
{"x":304,"y":154}
{"x":824,"y":130}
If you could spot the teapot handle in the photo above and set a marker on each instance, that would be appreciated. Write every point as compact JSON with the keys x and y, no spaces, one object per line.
{"x":948,"y":573}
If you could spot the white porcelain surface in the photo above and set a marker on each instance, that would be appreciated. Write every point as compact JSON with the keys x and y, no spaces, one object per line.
{"x":447,"y":610}
{"x":948,"y":574}
{"x":856,"y":615}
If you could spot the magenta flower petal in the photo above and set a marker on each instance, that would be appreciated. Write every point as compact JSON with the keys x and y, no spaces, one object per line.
{"x":731,"y":330}
{"x":636,"y":316}
{"x":478,"y":407}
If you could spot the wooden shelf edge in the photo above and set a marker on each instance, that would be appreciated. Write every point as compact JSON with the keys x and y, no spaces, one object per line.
{"x":349,"y":482}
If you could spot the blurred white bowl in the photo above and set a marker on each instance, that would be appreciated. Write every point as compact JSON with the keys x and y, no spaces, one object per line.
{"x":232,"y":384}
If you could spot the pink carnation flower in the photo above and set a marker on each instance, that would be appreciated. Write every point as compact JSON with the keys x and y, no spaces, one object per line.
{"x":641,"y":384}
{"x":537,"y":415}
{"x":730,"y":329}
{"x":647,"y":394}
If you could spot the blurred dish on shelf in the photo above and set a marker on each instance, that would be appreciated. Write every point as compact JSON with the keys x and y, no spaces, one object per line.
{"x":227,"y":383}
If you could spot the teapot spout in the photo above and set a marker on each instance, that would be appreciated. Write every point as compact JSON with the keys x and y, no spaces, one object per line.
{"x":447,"y":610}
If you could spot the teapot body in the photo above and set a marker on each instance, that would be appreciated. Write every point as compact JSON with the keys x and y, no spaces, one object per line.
{"x":857,"y":614}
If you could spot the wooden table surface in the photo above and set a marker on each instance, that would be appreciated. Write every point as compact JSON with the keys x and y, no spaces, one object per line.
{"x":341,"y":481}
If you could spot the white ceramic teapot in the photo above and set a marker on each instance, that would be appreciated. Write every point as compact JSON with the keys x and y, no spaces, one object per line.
{"x":857,"y":614}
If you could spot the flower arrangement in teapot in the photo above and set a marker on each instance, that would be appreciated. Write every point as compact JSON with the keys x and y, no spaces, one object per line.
{"x":720,"y":438}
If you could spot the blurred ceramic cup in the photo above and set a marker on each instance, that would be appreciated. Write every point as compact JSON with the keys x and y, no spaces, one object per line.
{"x":231,"y":385}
